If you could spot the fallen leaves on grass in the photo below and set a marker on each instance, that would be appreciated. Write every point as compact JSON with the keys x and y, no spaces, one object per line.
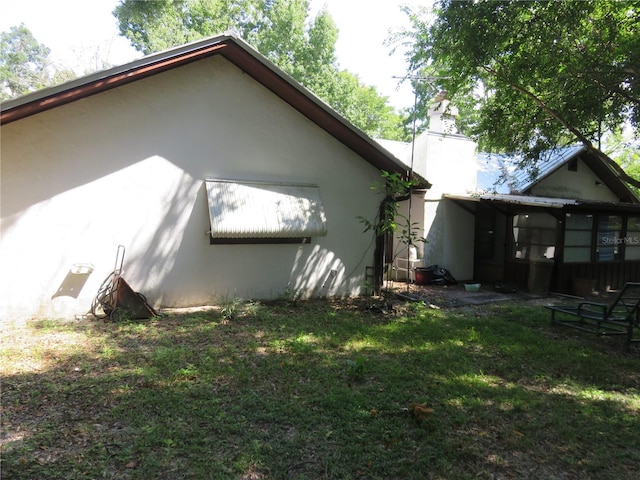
{"x":420,"y":411}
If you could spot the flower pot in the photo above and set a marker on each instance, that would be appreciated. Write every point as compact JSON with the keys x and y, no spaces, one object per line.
{"x":423,"y":275}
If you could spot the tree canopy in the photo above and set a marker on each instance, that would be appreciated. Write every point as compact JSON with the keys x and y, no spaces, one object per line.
{"x":279,"y":29}
{"x":534,"y":75}
{"x":25,"y":65}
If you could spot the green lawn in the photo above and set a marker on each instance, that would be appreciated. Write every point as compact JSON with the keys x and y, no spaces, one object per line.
{"x":319,"y":390}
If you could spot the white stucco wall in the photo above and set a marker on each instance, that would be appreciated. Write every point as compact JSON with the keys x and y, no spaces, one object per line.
{"x":127,"y":167}
{"x":449,"y":162}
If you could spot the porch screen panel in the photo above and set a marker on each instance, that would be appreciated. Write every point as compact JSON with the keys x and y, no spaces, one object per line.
{"x":578,"y":237}
{"x":252,"y":209}
{"x":485,"y":233}
{"x":609,"y":238}
{"x":534,"y":236}
{"x":632,"y":239}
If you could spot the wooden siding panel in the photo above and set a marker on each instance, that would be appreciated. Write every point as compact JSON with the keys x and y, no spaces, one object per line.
{"x":609,"y":275}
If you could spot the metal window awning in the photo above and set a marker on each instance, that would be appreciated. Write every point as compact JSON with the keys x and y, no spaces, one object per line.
{"x":241,"y":209}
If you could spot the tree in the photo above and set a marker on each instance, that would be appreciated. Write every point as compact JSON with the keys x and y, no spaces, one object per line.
{"x":534,"y":74}
{"x":281,"y":31}
{"x":23,"y":63}
{"x":366,"y":109}
{"x":624,"y":149}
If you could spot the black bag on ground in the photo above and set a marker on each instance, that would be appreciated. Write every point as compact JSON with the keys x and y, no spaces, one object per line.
{"x":441,"y":276}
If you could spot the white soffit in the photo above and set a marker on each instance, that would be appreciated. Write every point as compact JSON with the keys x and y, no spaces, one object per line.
{"x":251,"y":209}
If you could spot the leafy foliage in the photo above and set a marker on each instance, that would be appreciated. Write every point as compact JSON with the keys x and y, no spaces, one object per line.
{"x":280,"y":30}
{"x":534,"y":74}
{"x":625,"y":150}
{"x":25,"y":65}
{"x":389,"y":221}
{"x":394,"y":188}
{"x":356,"y":368}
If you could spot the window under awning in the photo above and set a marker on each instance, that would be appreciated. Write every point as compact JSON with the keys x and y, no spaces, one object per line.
{"x":264,"y":212}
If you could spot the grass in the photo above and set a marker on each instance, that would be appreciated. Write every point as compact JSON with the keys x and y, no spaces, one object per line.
{"x":315,"y":390}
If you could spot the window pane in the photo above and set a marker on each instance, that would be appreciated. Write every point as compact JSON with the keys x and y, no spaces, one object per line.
{"x":577,"y":254}
{"x":577,"y":238}
{"x":610,"y":223}
{"x":520,"y":220}
{"x":632,"y":252}
{"x":542,"y":251}
{"x":632,"y":239}
{"x":633,"y":224}
{"x":534,"y":220}
{"x":547,"y":237}
{"x":609,"y":237}
{"x":575,"y":221}
{"x":534,"y":236}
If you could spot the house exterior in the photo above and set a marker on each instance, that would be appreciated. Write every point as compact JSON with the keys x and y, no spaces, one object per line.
{"x":219,"y":174}
{"x":572,"y":225}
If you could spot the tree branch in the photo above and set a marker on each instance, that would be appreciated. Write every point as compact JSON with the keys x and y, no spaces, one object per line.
{"x":584,"y":140}
{"x":618,"y":91}
{"x":617,"y":168}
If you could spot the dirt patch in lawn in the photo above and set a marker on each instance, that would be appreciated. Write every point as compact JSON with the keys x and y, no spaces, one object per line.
{"x":451,"y":296}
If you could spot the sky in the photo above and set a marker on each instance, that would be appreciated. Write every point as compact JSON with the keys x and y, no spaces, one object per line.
{"x":81,"y":33}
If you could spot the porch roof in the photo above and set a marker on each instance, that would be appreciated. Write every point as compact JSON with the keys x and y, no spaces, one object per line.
{"x":515,"y":203}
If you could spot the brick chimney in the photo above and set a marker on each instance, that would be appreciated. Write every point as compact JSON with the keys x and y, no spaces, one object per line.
{"x":442,"y":116}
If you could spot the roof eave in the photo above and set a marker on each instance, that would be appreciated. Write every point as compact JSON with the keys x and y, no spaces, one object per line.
{"x":600,"y":166}
{"x":523,"y":201}
{"x":104,"y":80}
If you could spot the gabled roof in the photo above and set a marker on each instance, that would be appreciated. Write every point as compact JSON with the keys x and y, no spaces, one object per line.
{"x":236,"y":51}
{"x":499,"y":173}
